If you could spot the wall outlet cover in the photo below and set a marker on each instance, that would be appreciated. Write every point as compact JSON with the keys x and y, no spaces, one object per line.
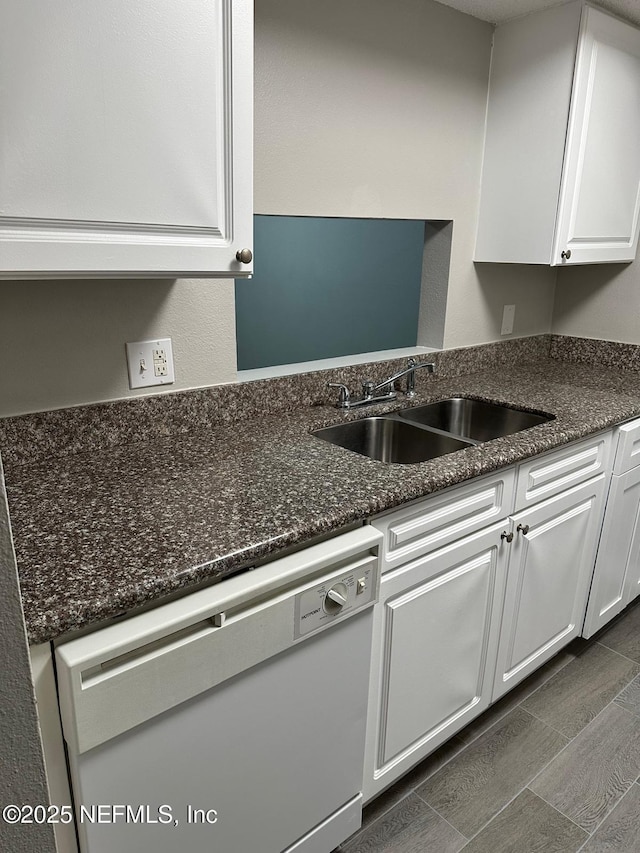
{"x":150,"y":363}
{"x":508,"y":316}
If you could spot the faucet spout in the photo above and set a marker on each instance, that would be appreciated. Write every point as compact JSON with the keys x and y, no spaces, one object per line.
{"x":429,"y":366}
{"x":410,"y":372}
{"x":370,"y":389}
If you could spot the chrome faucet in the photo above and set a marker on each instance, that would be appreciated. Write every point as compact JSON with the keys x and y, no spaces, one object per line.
{"x":369,"y":388}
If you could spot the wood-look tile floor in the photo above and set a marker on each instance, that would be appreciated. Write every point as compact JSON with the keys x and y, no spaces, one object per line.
{"x":553,"y":767}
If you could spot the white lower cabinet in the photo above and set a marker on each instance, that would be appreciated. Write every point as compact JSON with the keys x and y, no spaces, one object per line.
{"x":483,"y":584}
{"x":435,"y":641}
{"x":616,"y":579}
{"x":550,"y":567}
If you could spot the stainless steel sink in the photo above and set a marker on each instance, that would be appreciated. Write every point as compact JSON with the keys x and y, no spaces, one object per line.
{"x":474,"y":420}
{"x":390,"y":440}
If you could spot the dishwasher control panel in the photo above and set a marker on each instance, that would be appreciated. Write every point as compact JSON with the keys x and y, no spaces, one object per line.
{"x":339,"y":595}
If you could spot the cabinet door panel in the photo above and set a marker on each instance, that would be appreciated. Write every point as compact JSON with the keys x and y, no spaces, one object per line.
{"x":616,"y":576}
{"x":550,"y":569}
{"x":632,"y":580}
{"x":426,"y":690}
{"x":436,"y":627}
{"x":600,"y":195}
{"x":126,"y":137}
{"x":122,"y":137}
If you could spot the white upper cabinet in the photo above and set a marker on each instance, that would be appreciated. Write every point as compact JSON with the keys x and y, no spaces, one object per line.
{"x":561,"y":171}
{"x":126,"y":145}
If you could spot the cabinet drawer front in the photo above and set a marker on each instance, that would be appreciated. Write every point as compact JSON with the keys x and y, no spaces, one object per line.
{"x":440,"y":519}
{"x":554,"y":472}
{"x":627,"y":444}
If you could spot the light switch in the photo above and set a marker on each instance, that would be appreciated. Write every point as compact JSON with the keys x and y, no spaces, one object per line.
{"x":150,"y":363}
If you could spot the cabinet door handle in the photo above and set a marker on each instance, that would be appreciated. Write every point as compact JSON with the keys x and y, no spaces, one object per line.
{"x":244,"y":256}
{"x":524,"y":528}
{"x":507,"y":536}
{"x":566,"y":254}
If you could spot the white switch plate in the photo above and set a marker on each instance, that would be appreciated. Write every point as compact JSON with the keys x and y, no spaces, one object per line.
{"x":508,"y":316}
{"x":150,"y":363}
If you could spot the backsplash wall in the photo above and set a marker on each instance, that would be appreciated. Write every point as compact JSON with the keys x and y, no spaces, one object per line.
{"x":36,"y":438}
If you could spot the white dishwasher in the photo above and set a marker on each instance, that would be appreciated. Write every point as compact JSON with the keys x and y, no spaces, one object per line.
{"x":231,"y":720}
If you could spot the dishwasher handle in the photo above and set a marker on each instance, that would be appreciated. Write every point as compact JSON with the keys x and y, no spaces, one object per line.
{"x":129,"y":672}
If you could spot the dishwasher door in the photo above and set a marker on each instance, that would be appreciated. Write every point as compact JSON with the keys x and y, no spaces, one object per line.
{"x":232,"y":720}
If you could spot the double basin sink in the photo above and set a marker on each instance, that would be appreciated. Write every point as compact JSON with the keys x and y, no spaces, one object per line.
{"x":426,"y":432}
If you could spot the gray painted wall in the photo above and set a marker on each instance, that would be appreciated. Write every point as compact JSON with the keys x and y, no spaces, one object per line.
{"x":377,"y":109}
{"x":22,"y":776}
{"x":599,"y":301}
{"x":368,"y":108}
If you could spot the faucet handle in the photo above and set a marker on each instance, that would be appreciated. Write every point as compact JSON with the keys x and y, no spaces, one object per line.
{"x":344,"y":398}
{"x":367,"y":388}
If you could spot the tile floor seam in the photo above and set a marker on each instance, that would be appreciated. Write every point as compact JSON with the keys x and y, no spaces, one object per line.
{"x":597,"y":827}
{"x":527,"y":785}
{"x":442,"y":817}
{"x":562,"y":750}
{"x":553,"y":728}
{"x":586,"y":841}
{"x":569,"y":742}
{"x":535,"y":793}
{"x":493,"y":817}
{"x":622,"y":708}
{"x":617,"y":696}
{"x":500,"y":810}
{"x":566,"y":816}
{"x":517,"y":794}
{"x":411,"y":790}
{"x":509,"y":710}
{"x":364,"y":828}
{"x":616,"y":652}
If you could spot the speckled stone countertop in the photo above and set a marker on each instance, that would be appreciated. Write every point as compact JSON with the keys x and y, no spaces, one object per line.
{"x":101,"y":533}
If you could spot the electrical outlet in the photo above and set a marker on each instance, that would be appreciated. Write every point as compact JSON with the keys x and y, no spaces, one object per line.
{"x":508,"y":316}
{"x":150,"y":363}
{"x":160,"y":367}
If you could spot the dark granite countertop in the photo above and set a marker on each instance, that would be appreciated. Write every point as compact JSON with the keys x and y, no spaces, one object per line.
{"x":99,"y":534}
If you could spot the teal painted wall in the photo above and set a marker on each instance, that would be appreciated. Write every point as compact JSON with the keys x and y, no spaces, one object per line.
{"x":326,"y":287}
